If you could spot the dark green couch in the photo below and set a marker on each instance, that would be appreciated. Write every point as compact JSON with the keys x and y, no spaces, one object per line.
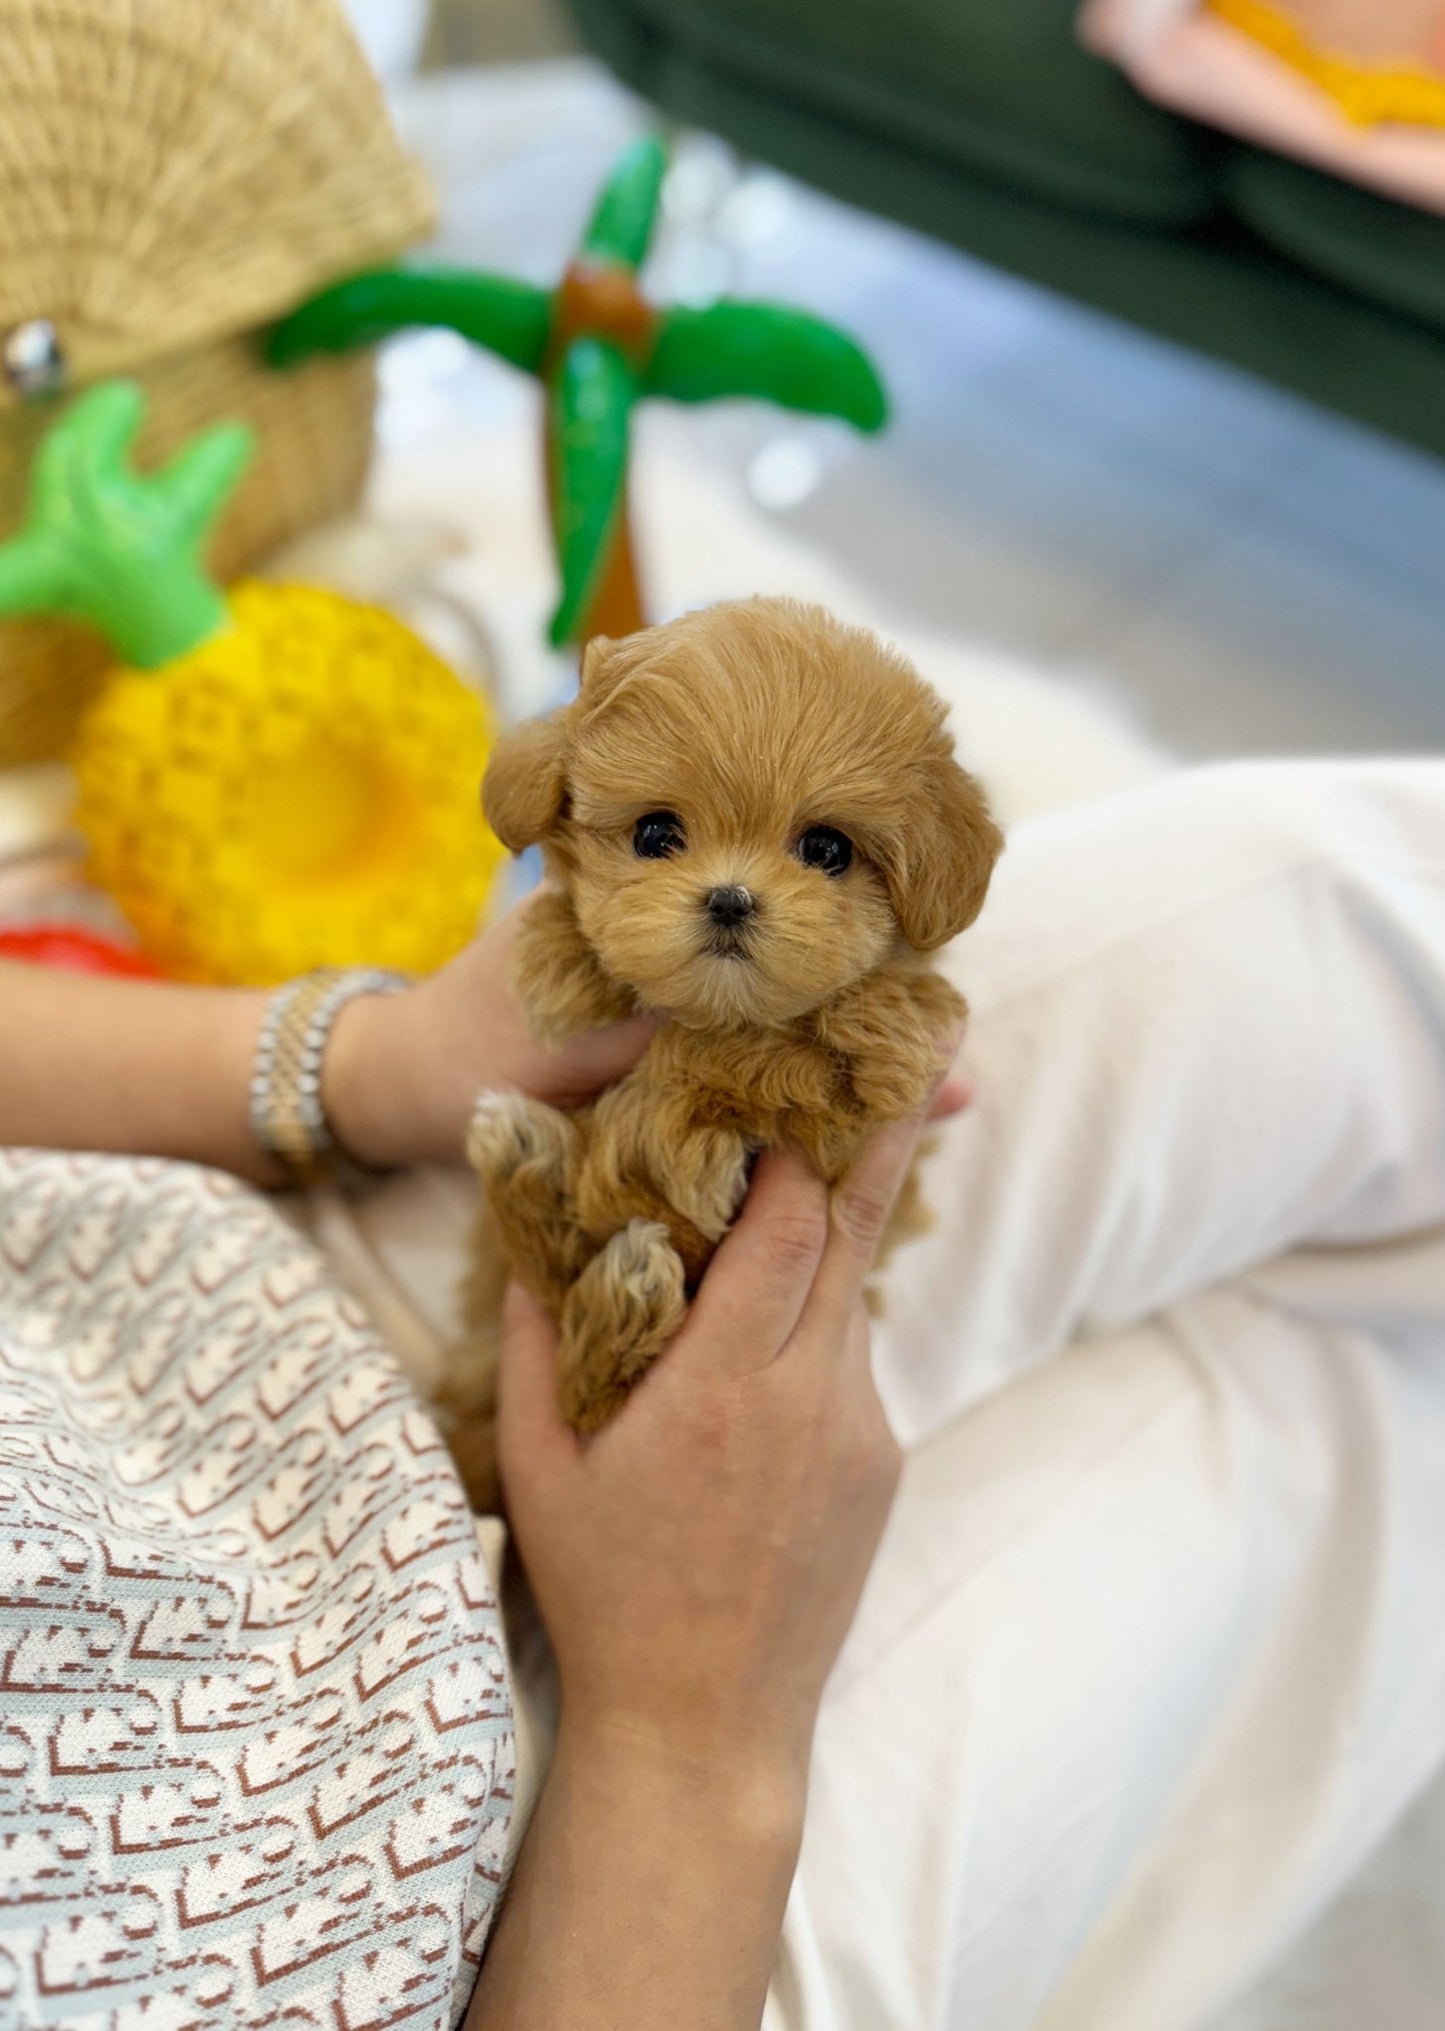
{"x":985,"y":123}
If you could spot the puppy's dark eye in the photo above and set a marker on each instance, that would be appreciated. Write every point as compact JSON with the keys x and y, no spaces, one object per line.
{"x":657,"y":835}
{"x":823,"y":848}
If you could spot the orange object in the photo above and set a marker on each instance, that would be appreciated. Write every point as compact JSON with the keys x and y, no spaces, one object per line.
{"x":71,"y":949}
{"x":1408,"y":92}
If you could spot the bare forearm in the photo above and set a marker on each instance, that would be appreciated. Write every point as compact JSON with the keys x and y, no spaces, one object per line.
{"x":160,"y":1070}
{"x":135,"y":1066}
{"x":644,"y":1896}
{"x":88,"y":1063}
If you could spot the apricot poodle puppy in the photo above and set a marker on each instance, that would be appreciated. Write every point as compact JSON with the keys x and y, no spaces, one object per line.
{"x":754,"y":828}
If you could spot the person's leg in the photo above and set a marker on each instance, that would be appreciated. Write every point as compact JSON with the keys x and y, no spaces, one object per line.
{"x":1153,"y":1652}
{"x":1150,"y":1654}
{"x":1208,"y":1025}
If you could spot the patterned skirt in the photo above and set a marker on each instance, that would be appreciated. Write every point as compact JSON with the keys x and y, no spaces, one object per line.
{"x":256,"y":1744}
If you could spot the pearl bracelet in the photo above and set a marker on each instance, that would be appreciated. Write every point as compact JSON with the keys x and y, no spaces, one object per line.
{"x":285,"y":1110}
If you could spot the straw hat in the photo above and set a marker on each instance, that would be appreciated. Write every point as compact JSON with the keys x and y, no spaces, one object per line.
{"x":173,"y":175}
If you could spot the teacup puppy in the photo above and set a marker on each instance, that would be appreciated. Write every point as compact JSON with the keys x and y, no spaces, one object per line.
{"x":754,"y":828}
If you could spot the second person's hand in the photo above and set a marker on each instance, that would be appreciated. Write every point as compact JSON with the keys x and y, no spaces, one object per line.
{"x":403,"y":1071}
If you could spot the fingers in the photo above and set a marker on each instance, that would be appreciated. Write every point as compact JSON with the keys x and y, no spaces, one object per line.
{"x":854,"y":1356}
{"x":600,"y":1056}
{"x":858,"y":1363}
{"x":532,"y":1433}
{"x":858,"y":1216}
{"x":759,"y":1281}
{"x":953,"y":1095}
{"x":795,"y":1251}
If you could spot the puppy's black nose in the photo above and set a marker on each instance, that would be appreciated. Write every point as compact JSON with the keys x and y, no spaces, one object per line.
{"x":729,"y":907}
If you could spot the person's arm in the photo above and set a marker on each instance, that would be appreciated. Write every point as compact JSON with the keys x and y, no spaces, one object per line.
{"x":92,"y":1063}
{"x":697,"y":1565}
{"x":160,"y":1070}
{"x":644,"y":1896}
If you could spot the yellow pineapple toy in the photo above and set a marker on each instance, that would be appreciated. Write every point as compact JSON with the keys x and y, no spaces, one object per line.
{"x":276,"y":779}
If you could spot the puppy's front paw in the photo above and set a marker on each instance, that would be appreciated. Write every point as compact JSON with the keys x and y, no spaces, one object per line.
{"x":619,"y":1315}
{"x":508,"y":1130}
{"x":705,"y":1176}
{"x":524,"y":1153}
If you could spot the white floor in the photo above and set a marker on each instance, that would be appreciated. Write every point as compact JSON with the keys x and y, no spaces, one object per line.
{"x":1247,"y":573}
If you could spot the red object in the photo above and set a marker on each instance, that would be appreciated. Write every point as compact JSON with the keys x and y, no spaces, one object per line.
{"x":72,"y":949}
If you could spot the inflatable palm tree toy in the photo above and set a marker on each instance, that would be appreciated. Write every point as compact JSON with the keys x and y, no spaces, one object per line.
{"x":598,"y":346}
{"x":277,"y":778}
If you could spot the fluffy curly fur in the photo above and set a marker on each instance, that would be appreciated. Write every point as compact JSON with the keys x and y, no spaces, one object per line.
{"x":809,"y":1017}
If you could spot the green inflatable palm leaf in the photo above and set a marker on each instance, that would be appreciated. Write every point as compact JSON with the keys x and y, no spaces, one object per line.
{"x":592,"y":397}
{"x":622,"y":222}
{"x":596,"y":343}
{"x":511,"y":319}
{"x":768,"y":352}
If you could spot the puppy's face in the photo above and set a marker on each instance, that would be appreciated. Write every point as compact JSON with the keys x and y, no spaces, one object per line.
{"x":752,"y":808}
{"x":726,"y":889}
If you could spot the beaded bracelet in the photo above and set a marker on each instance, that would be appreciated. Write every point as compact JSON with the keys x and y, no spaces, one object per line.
{"x":285,"y":1110}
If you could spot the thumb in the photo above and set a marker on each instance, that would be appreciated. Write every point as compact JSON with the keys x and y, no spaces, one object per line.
{"x":531,"y":1430}
{"x":598,"y":1057}
{"x":953,"y":1096}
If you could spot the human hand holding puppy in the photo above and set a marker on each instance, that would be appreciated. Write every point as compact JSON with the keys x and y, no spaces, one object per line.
{"x":697,"y":1564}
{"x":402,"y":1072}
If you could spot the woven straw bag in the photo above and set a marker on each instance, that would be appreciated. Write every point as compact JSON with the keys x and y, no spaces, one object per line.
{"x":174,"y":175}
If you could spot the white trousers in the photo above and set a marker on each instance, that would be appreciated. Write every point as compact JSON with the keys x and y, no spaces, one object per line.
{"x":1154,"y":1649}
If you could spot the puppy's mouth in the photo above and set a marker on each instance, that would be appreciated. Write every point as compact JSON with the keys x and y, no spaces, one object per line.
{"x":725,"y":943}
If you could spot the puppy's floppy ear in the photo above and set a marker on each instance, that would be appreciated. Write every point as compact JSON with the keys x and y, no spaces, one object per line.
{"x":525,"y":786}
{"x":939,"y":873}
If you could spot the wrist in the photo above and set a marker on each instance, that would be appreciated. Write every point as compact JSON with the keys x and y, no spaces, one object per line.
{"x":372,"y":1084}
{"x":650,"y":1892}
{"x":740,"y":1799}
{"x":227,"y":1047}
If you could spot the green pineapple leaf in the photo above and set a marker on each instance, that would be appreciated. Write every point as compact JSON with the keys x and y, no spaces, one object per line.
{"x":104,"y":543}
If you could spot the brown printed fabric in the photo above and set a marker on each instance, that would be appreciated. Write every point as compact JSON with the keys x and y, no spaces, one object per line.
{"x":256,"y":1748}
